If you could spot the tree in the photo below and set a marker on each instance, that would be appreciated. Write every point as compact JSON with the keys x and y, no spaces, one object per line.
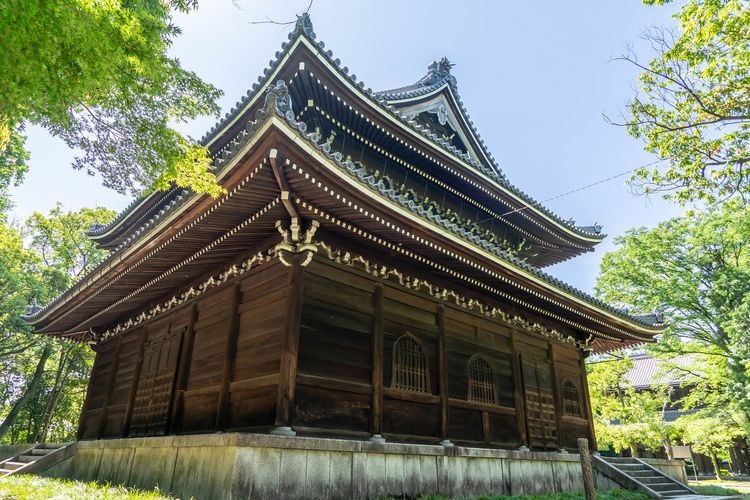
{"x":625,"y":418}
{"x":696,"y":270}
{"x":37,"y":400}
{"x":692,"y":108}
{"x":710,"y":435}
{"x":97,"y":75}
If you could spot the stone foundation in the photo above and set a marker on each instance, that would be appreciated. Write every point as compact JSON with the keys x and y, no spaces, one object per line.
{"x":213,"y":466}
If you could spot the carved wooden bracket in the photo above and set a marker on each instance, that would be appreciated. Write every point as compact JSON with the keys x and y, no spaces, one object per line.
{"x":296,"y":241}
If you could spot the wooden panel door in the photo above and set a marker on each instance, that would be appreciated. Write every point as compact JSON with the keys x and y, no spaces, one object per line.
{"x":154,"y":394}
{"x":541,"y":417}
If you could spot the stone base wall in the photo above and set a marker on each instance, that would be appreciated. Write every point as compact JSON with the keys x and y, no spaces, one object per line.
{"x":215,"y":466}
{"x":672,"y":468}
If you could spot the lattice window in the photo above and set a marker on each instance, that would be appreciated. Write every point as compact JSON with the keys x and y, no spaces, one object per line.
{"x":571,"y":402}
{"x":481,"y":381}
{"x":409,"y":366}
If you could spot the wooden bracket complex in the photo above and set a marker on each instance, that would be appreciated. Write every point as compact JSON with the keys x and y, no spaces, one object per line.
{"x":296,"y":241}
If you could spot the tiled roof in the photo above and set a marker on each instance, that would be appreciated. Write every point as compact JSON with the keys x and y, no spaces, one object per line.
{"x":648,"y":371}
{"x":438,"y":76}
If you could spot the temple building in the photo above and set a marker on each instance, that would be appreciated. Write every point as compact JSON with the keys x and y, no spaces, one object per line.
{"x":370,"y":274}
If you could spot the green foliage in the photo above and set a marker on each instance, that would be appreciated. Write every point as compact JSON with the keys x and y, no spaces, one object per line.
{"x":624,"y":417}
{"x":693,"y":104}
{"x":13,"y":166}
{"x":696,"y":270}
{"x":55,"y":253}
{"x":29,"y":487}
{"x":96,"y":73}
{"x":602,"y":495}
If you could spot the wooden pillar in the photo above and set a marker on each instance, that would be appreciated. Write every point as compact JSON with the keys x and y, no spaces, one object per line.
{"x":586,"y":469}
{"x":87,"y":399}
{"x":230,"y":351}
{"x":559,"y":410}
{"x":587,"y":405}
{"x":110,"y":388}
{"x":134,"y":386}
{"x":289,"y":350}
{"x":523,"y":437}
{"x":443,"y":360}
{"x":183,"y":369}
{"x":376,"y":404}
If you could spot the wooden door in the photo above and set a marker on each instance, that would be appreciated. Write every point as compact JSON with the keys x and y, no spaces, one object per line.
{"x":541,"y":417}
{"x":153,"y":396}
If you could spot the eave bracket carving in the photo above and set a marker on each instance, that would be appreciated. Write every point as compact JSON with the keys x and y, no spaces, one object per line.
{"x":295,"y":240}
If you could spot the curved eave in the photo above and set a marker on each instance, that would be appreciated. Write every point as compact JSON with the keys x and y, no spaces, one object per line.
{"x":297,"y":39}
{"x":448,"y":90}
{"x":506,"y":263}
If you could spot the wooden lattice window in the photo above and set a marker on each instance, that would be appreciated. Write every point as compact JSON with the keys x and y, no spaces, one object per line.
{"x":409,"y":366}
{"x":571,"y":401}
{"x":481,"y":381}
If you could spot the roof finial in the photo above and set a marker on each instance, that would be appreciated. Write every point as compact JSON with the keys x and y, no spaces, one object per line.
{"x":438,"y":71}
{"x":304,"y":25}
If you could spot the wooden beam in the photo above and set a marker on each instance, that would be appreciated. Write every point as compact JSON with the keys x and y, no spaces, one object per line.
{"x":587,"y":406}
{"x":230,"y":351}
{"x":110,"y":388}
{"x":376,"y":405}
{"x":134,"y":386}
{"x":87,"y":400}
{"x":290,"y":345}
{"x":443,"y":360}
{"x":518,"y":393}
{"x":556,"y":393}
{"x":183,"y":369}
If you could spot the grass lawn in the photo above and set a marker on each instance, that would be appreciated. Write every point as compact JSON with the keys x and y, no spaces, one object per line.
{"x":29,"y":487}
{"x":725,"y":488}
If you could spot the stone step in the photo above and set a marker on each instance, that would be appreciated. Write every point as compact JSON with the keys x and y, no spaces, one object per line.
{"x":642,"y":473}
{"x":620,"y":460}
{"x":51,"y":446}
{"x":647,"y":480}
{"x":42,"y":451}
{"x":26,"y":458}
{"x":664,"y":486}
{"x":13,"y":465}
{"x":675,"y":493}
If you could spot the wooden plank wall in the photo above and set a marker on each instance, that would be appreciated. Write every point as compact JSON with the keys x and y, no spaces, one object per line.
{"x":345,"y":312}
{"x":214,"y":364}
{"x":210,"y":364}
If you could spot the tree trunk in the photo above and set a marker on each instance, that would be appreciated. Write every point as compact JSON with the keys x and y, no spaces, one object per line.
{"x":634,"y":450}
{"x":61,"y":375}
{"x":32,"y":388}
{"x":715,"y":463}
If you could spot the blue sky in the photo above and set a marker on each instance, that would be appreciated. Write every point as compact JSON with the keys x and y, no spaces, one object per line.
{"x":536,"y":78}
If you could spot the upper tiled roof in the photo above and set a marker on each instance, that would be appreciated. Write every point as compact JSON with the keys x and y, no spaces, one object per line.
{"x":438,"y":75}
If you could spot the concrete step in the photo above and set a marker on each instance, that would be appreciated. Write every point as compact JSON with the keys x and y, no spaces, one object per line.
{"x":652,"y":480}
{"x":26,"y":458}
{"x":675,"y":493}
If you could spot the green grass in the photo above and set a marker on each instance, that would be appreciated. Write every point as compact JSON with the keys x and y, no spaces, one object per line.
{"x":712,"y":489}
{"x":600,"y":495}
{"x":30,"y":487}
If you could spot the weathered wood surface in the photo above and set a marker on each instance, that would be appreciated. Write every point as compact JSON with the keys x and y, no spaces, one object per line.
{"x":313,"y":347}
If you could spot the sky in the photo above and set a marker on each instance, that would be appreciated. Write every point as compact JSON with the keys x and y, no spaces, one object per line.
{"x":535,"y":77}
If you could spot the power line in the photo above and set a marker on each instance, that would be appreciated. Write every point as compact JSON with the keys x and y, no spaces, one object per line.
{"x":576,"y":190}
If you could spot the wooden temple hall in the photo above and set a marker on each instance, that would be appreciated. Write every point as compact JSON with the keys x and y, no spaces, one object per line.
{"x":370,"y":274}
